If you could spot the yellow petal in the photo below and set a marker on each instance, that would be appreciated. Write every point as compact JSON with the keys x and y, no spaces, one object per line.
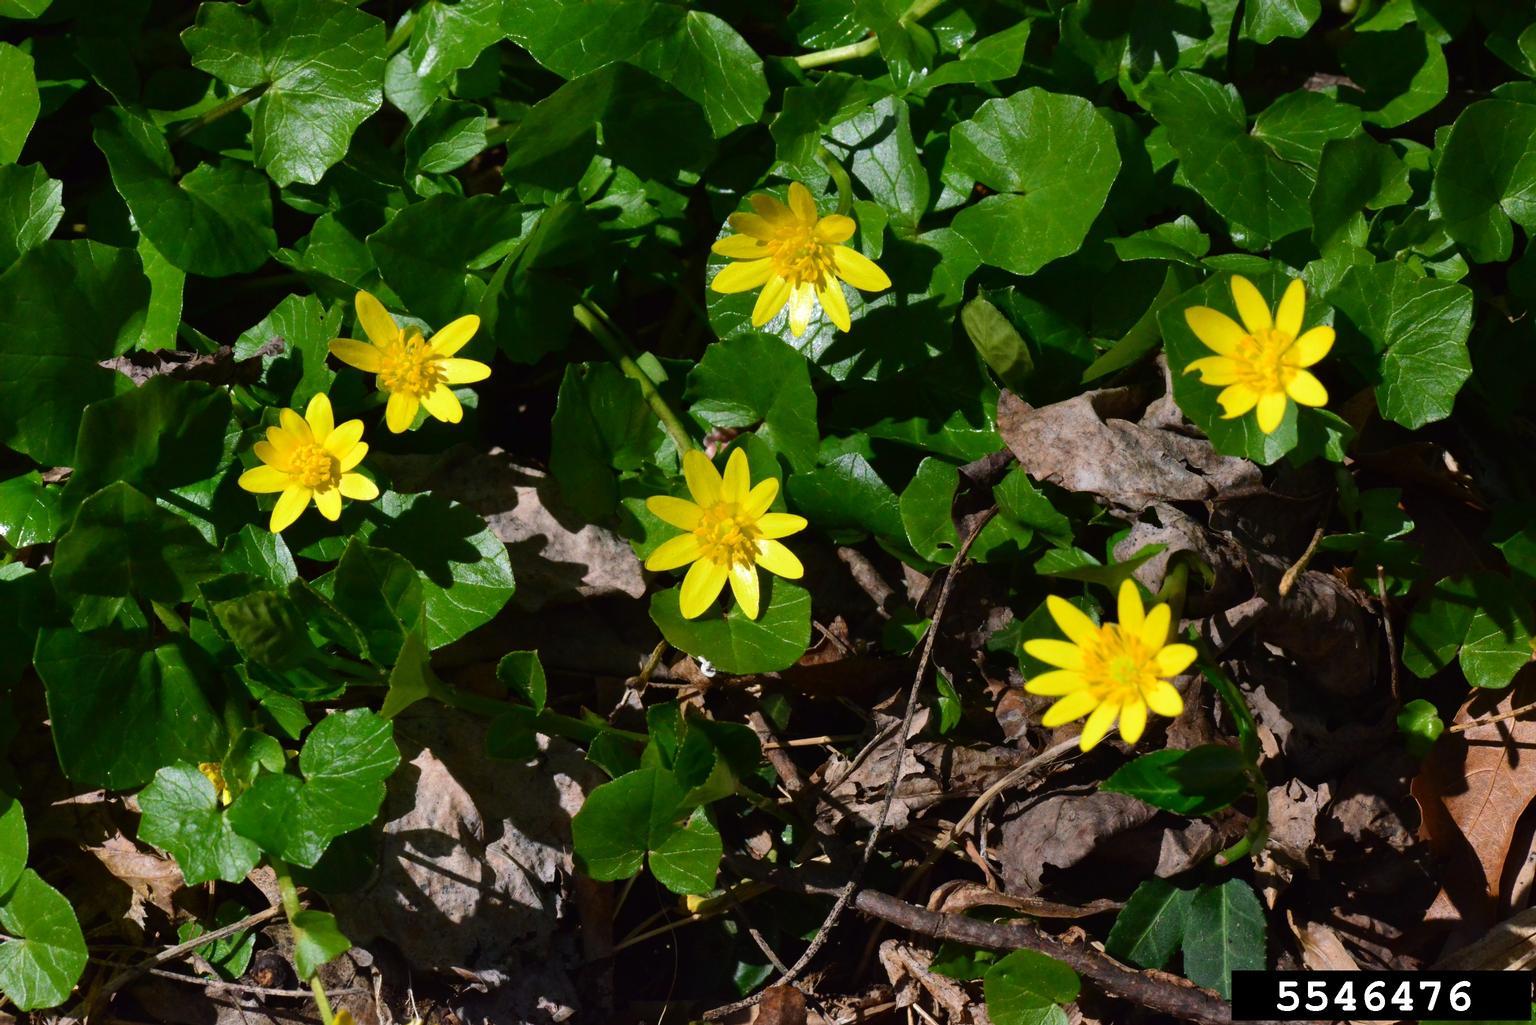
{"x":282,"y":442}
{"x":1055,"y":653}
{"x":737,"y":482}
{"x":1216,"y":331}
{"x":1132,"y":614}
{"x":289,"y":507}
{"x":319,"y":417}
{"x":270,"y":454}
{"x":1237,"y":400}
{"x":755,"y":225}
{"x":674,"y":552}
{"x":802,"y":304}
{"x":1056,"y":683}
{"x":1098,"y":724}
{"x":295,"y":425}
{"x":742,"y":277}
{"x":1271,"y":411}
{"x":1133,"y":720}
{"x":774,"y":525}
{"x":455,"y":336}
{"x":679,"y":512}
{"x":740,"y":247}
{"x":830,"y":293}
{"x":1164,"y":699}
{"x":378,"y":325}
{"x":401,"y":411}
{"x":1216,"y":370}
{"x":354,"y":456}
{"x":744,"y":587}
{"x":1311,"y":347}
{"x":1175,"y":658}
{"x":859,"y":270}
{"x":1073,"y":706}
{"x":778,"y":560}
{"x":357,"y":487}
{"x":1250,"y":305}
{"x":1073,"y":621}
{"x":701,"y":586}
{"x":802,"y":203}
{"x":343,"y":438}
{"x":358,"y":354}
{"x":264,"y":480}
{"x":1154,"y":629}
{"x":443,"y":404}
{"x":463,"y":371}
{"x":329,"y":503}
{"x":834,"y":228}
{"x":1307,"y":389}
{"x":702,"y":477}
{"x":770,"y":209}
{"x":771,"y":300}
{"x":760,"y":498}
{"x":1292,"y":305}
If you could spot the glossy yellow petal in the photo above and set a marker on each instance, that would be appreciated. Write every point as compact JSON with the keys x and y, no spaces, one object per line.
{"x":343,"y":437}
{"x":401,"y":411}
{"x":1073,"y":706}
{"x":1133,"y":720}
{"x":463,"y":371}
{"x":859,"y":270}
{"x":1307,"y":389}
{"x":1293,"y":304}
{"x":443,"y":404}
{"x":377,"y":324}
{"x":745,"y":587}
{"x":1056,"y":683}
{"x":737,"y":480}
{"x":1164,"y":699}
{"x":455,"y":336}
{"x":268,"y":453}
{"x":702,"y":477}
{"x":319,"y":417}
{"x":835,"y":303}
{"x":354,"y":456}
{"x":701,"y":586}
{"x":835,"y":229}
{"x":329,"y":503}
{"x":1311,"y":347}
{"x":803,"y":203}
{"x":1271,"y":411}
{"x":290,"y":505}
{"x":760,"y":498}
{"x":282,"y":442}
{"x":264,"y":480}
{"x":740,"y":247}
{"x":1154,"y":629}
{"x":1073,"y":621}
{"x":1175,"y":658}
{"x":775,"y":525}
{"x":770,"y":209}
{"x":295,"y":426}
{"x":1098,"y":725}
{"x":674,"y":552}
{"x":679,"y":512}
{"x":771,"y":300}
{"x":1055,"y":653}
{"x":1216,"y":370}
{"x":742,"y":277}
{"x":1216,"y":331}
{"x":1131,"y":612}
{"x":358,"y":354}
{"x":802,"y":305}
{"x":778,"y":560}
{"x":1250,"y":305}
{"x":755,"y":225}
{"x":357,"y":487}
{"x":1237,"y":400}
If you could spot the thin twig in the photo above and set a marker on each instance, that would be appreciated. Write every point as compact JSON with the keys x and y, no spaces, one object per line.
{"x":241,"y":987}
{"x":846,"y":895}
{"x":1386,"y":623}
{"x":1300,"y":565}
{"x":1490,"y":720}
{"x":127,"y":975}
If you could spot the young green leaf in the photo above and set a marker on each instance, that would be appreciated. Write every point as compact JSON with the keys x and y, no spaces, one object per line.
{"x":1028,"y":988}
{"x":1149,"y":930}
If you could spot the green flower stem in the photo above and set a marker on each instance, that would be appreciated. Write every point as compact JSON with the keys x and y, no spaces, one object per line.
{"x":501,"y":133}
{"x":839,"y":175}
{"x":864,"y":47}
{"x":401,"y":35}
{"x":291,"y":908}
{"x":589,"y":316}
{"x":347,"y":667}
{"x":1175,"y":584}
{"x":208,"y":117}
{"x":1257,"y":834}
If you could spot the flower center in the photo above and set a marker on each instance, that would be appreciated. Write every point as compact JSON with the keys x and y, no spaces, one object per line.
{"x":1119,"y":667}
{"x":799,"y":256}
{"x":726,"y":537}
{"x":410,"y":367}
{"x":1261,"y":360}
{"x":314,"y":468}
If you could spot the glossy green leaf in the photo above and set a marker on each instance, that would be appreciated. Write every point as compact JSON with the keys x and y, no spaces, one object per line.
{"x":641,"y":813}
{"x":181,"y":815}
{"x":925,"y":510}
{"x":13,"y":841}
{"x":1267,"y":20}
{"x":162,"y":435}
{"x":121,"y":544}
{"x":601,"y":424}
{"x":756,"y":381}
{"x":31,"y":206}
{"x":316,"y":939}
{"x":1486,"y":177}
{"x":733,"y":643}
{"x":1198,"y":781}
{"x":42,"y":951}
{"x":19,"y":101}
{"x":29,"y":511}
{"x":523,"y":674}
{"x":1028,"y":988}
{"x":1354,"y":174}
{"x":1149,"y":930}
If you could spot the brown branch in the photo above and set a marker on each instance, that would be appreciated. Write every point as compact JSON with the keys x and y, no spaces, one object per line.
{"x":1463,"y":727}
{"x":127,"y":975}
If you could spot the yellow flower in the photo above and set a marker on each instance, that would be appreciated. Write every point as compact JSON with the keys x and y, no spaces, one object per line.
{"x":1263,"y":362}
{"x":310,"y":457}
{"x":1117,"y":670}
{"x":214,"y":773}
{"x":796,"y":257}
{"x":414,"y":371}
{"x":730,"y":533}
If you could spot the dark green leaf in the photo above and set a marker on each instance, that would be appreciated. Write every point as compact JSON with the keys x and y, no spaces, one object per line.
{"x":122,"y":544}
{"x":29,"y":511}
{"x":31,"y":206}
{"x":19,"y":101}
{"x":1150,"y":928}
{"x":1223,"y":932}
{"x":1486,"y":177}
{"x":1194,"y":782}
{"x":758,"y":381}
{"x":182,"y":815}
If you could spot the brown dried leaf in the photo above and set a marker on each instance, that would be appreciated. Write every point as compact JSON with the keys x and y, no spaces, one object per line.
{"x":1321,"y":948}
{"x":781,"y":1005}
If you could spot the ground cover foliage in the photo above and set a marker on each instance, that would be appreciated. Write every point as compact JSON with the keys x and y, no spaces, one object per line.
{"x":622,"y":510}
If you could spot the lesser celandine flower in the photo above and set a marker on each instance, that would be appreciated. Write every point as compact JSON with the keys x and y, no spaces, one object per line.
{"x":1109,"y":672}
{"x":214,"y":773}
{"x":797,"y":258}
{"x":1263,"y":362}
{"x":730,"y":533}
{"x":310,"y":458}
{"x":416,"y":372}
